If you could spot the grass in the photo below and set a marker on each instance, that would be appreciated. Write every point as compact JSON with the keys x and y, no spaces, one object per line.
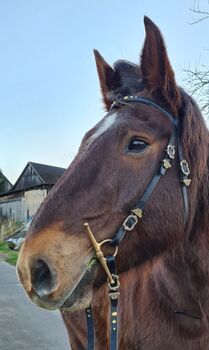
{"x":11,"y":255}
{"x":8,"y":228}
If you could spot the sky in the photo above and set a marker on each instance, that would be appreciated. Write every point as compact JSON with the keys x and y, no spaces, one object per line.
{"x":49,"y":90}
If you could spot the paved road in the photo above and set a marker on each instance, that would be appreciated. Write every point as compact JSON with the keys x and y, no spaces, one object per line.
{"x":24,"y":325}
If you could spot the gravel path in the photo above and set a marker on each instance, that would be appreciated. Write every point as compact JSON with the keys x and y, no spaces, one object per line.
{"x":24,"y":325}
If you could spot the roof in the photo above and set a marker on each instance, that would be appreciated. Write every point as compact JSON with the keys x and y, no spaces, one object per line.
{"x":5,"y":184}
{"x":35,"y":175}
{"x":48,"y":173}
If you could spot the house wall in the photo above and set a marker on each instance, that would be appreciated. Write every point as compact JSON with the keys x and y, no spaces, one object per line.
{"x":22,"y":205}
{"x":32,"y":200}
{"x":11,"y":207}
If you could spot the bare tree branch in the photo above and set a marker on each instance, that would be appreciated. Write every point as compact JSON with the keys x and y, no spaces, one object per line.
{"x":197,"y":83}
{"x":197,"y":78}
{"x":202,"y":15}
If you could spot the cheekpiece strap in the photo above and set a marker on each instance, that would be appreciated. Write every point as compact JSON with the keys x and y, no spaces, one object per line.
{"x":113,"y":294}
{"x":90,"y":328}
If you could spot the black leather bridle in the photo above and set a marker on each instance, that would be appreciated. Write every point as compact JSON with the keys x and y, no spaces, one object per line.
{"x":137,"y":212}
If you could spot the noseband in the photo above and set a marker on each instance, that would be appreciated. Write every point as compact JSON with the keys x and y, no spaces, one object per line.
{"x":136,"y":213}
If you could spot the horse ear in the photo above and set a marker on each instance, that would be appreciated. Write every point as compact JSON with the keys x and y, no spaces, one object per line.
{"x":105,"y":73}
{"x":157,"y":74}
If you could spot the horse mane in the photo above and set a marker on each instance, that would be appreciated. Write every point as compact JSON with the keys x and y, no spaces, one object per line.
{"x":195,"y":142}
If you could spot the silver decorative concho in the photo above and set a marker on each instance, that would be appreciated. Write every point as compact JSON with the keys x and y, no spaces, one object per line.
{"x":185,"y":167}
{"x":170,"y":151}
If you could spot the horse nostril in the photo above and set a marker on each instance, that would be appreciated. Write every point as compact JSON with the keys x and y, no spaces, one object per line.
{"x":42,"y":278}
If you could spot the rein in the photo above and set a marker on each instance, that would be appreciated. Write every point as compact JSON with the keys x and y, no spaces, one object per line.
{"x":108,"y":263}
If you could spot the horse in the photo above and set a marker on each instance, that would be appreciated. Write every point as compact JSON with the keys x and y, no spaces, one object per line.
{"x":163,"y":260}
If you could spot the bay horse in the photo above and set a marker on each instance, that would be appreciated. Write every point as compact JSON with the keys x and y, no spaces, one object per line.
{"x":163,"y":262}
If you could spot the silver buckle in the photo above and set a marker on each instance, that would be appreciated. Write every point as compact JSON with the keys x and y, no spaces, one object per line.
{"x":116,"y":285}
{"x":113,"y":290}
{"x":130,"y":228}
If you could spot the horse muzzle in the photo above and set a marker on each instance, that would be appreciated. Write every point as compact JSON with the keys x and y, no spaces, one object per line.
{"x":53,"y":274}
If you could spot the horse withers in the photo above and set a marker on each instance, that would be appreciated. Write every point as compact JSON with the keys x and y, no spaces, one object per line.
{"x":163,"y":262}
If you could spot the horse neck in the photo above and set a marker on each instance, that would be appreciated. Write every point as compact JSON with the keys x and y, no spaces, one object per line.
{"x":184,"y":273}
{"x":197,"y":255}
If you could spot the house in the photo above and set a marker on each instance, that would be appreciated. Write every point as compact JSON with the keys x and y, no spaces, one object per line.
{"x":22,"y":200}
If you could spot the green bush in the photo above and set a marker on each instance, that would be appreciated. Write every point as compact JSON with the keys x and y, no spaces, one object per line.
{"x":11,"y":255}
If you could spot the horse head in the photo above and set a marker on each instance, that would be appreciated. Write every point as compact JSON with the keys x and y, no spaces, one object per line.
{"x":115,"y":163}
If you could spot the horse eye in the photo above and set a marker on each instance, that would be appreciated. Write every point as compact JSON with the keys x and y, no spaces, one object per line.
{"x":137,"y":145}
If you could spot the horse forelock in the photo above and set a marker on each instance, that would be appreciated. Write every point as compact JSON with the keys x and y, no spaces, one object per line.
{"x":126,"y":79}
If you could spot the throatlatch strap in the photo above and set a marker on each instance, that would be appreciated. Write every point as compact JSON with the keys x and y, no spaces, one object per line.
{"x":90,"y":328}
{"x":184,"y":176}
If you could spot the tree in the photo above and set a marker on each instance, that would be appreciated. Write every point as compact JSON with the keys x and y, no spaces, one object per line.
{"x":197,"y":78}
